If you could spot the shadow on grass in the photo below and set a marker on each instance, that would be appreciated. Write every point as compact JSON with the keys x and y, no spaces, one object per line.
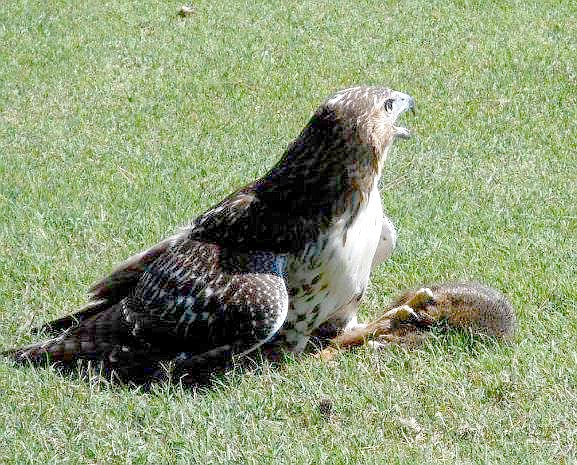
{"x":439,"y":339}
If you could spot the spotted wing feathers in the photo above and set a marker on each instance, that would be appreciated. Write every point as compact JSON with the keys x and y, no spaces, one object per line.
{"x":117,"y":285}
{"x":189,"y":302}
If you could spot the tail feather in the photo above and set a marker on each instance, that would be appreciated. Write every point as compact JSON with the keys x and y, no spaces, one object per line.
{"x":98,"y":332}
{"x":62,"y":324}
{"x":57,"y":349}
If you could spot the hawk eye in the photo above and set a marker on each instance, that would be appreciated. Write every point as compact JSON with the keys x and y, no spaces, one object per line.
{"x":389,"y":104}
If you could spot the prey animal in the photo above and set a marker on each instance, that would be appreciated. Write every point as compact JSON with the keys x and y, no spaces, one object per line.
{"x":473,"y":306}
{"x":270,"y":264}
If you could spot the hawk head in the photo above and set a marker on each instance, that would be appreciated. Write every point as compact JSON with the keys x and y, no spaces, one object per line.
{"x":344,"y":145}
{"x":369,"y":114}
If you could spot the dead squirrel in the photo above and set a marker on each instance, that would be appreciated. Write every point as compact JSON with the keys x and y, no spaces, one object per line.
{"x":461,"y":305}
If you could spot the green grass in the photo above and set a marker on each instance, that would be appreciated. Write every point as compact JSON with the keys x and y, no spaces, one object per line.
{"x":120,"y":121}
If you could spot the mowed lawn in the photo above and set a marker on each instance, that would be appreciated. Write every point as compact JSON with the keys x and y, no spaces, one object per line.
{"x":120,"y":121}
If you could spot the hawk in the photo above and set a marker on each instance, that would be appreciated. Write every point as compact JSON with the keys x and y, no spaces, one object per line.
{"x":273,"y":263}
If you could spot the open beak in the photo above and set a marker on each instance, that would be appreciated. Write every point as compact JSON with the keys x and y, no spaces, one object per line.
{"x":408,"y":103}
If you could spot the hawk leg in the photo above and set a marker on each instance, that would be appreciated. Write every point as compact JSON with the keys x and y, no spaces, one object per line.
{"x":394,"y":326}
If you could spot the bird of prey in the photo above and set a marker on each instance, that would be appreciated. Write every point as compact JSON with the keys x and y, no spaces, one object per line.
{"x":271,"y":264}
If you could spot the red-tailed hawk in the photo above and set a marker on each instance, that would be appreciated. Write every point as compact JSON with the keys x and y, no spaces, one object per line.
{"x":271,"y":263}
